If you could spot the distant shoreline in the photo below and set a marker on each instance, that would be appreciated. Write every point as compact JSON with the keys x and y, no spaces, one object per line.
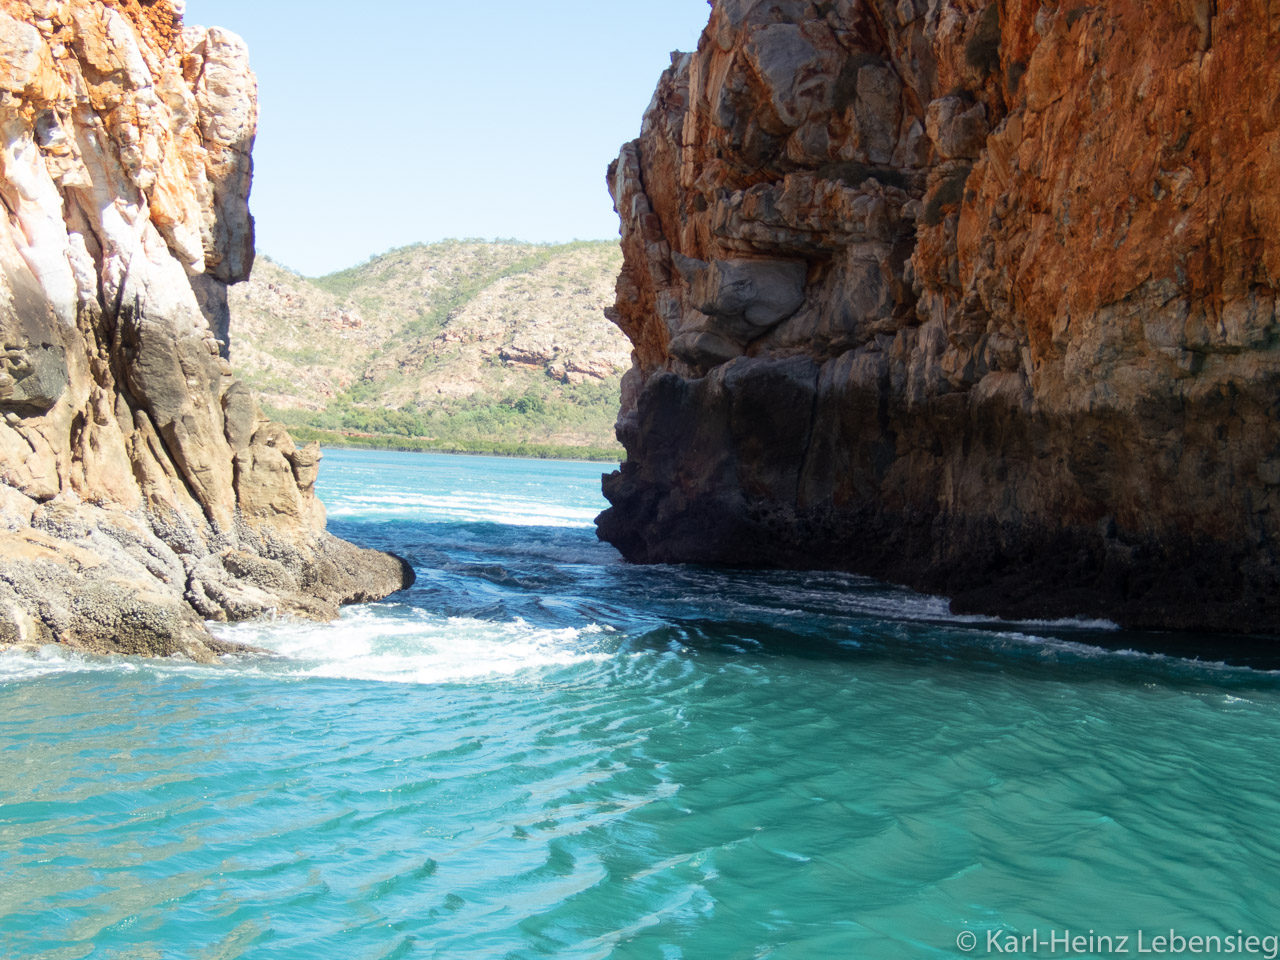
{"x":467,"y":453}
{"x":516,"y":451}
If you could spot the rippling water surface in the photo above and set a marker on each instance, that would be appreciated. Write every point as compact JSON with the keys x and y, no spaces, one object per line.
{"x":541,"y":752}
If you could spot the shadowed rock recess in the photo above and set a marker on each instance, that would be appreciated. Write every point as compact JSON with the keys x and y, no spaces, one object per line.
{"x":141,"y":492}
{"x":978,"y":297}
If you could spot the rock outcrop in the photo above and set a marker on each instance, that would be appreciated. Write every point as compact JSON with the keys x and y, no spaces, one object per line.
{"x":977,"y":296}
{"x":141,"y":492}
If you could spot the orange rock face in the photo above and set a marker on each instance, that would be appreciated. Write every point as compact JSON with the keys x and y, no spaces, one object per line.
{"x":1033,"y":358}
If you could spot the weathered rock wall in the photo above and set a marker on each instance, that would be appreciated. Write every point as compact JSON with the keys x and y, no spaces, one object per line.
{"x":977,"y":296}
{"x":141,"y":492}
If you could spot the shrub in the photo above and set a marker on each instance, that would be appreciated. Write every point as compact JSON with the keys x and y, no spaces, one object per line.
{"x":949,"y":194}
{"x":982,"y":52}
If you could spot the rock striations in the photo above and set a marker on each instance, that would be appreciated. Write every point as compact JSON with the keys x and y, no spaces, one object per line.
{"x":976,"y":296}
{"x":141,"y":492}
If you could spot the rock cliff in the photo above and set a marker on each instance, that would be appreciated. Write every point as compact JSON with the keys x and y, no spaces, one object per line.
{"x":976,"y":296}
{"x":141,"y":492}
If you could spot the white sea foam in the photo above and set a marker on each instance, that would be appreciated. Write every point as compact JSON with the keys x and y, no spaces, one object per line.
{"x":461,"y":508}
{"x":1091,"y":652}
{"x":909,"y":606}
{"x":416,"y":647}
{"x":859,"y":597}
{"x":28,"y":664}
{"x":1067,"y":623}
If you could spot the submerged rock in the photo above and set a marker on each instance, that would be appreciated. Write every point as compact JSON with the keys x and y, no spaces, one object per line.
{"x":141,"y":491}
{"x":1033,"y":359}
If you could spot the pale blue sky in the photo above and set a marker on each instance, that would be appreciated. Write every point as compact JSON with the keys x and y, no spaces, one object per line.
{"x":389,"y":123}
{"x":385,"y":124}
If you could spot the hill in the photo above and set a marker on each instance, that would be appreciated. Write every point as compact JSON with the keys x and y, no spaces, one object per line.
{"x":460,"y":345}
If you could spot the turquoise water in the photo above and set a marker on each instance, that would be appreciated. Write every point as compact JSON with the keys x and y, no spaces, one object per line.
{"x":541,"y":752}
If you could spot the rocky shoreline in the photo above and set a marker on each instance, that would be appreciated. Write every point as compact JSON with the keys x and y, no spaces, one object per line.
{"x":978,"y":298}
{"x":142,"y":492}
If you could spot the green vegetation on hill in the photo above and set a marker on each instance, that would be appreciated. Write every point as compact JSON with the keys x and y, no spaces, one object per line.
{"x":530,"y":451}
{"x":463,"y":345}
{"x":475,"y":424}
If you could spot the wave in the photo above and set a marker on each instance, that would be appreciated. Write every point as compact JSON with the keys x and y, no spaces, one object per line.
{"x":25,"y":663}
{"x":409,"y":646}
{"x":414,"y":646}
{"x":20,"y":664}
{"x":847,"y":595}
{"x":503,"y":510}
